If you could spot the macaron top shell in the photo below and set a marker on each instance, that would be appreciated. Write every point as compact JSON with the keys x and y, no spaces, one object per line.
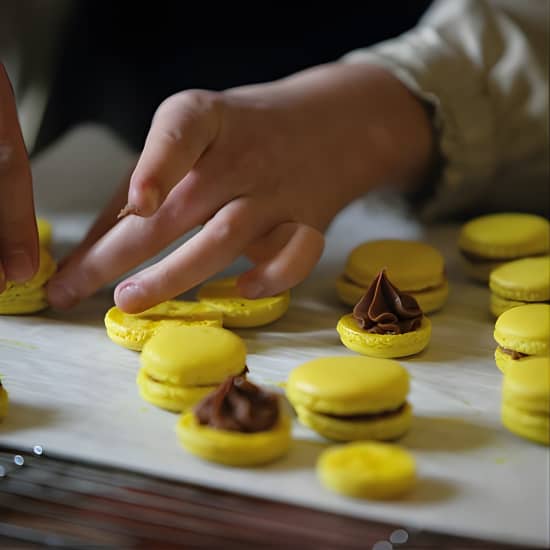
{"x":348,"y":385}
{"x":525,"y":329}
{"x":410,"y":265}
{"x":527,"y":384}
{"x":505,"y":235}
{"x":193,"y":355}
{"x":526,"y":279}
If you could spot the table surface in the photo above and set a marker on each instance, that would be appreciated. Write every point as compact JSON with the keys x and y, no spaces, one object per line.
{"x":73,"y":392}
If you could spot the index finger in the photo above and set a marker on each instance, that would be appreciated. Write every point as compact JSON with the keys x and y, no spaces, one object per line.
{"x":18,"y":233}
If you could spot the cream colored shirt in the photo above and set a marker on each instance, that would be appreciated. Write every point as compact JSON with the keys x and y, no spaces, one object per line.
{"x":482,"y":65}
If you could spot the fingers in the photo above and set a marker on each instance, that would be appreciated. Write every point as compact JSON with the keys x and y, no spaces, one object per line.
{"x":286,"y":256}
{"x":216,"y":246}
{"x":18,"y":233}
{"x":134,"y":240}
{"x":183,"y":128}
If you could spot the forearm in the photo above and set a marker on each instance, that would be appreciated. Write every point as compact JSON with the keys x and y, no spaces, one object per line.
{"x":362,"y":127}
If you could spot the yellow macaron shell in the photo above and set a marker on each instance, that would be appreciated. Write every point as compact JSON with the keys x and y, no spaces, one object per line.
{"x":410,"y":265}
{"x":348,"y":385}
{"x":527,"y":384}
{"x":498,"y":305}
{"x":170,"y":396}
{"x":367,"y":469}
{"x":132,"y":331}
{"x":525,"y":280}
{"x":505,"y":235}
{"x":383,"y":345}
{"x":30,"y":296}
{"x":44,"y":232}
{"x":525,"y":329}
{"x":193,"y":355}
{"x":234,"y":448}
{"x":525,"y":407}
{"x":239,"y":312}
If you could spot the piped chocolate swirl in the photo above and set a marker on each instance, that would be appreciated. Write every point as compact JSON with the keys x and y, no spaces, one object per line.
{"x":384,"y":309}
{"x":238,"y":405}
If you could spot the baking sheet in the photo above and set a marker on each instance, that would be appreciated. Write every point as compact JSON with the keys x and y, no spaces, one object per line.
{"x":73,"y":392}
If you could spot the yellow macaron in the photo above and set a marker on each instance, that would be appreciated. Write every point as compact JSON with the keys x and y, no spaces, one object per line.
{"x":238,"y":312}
{"x":519,"y":282}
{"x":521,"y":332}
{"x":486,"y":242}
{"x":385,"y":323}
{"x":133,"y":330}
{"x":3,"y":401}
{"x":416,"y":268}
{"x":526,"y":399}
{"x":239,"y":424}
{"x":30,"y":296}
{"x":347,"y":398}
{"x":367,"y":469}
{"x":44,"y":232}
{"x":182,"y":364}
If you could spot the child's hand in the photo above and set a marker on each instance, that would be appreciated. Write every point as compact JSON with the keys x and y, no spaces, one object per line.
{"x":263,"y":169}
{"x":18,"y":234}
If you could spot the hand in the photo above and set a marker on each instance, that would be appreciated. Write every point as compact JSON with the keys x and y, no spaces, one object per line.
{"x":18,"y":233}
{"x":263,"y":169}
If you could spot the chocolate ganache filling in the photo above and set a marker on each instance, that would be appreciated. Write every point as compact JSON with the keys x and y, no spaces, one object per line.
{"x":240,"y":406}
{"x":385,"y":310}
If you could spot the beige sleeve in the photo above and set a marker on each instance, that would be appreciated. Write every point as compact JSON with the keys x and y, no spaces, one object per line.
{"x":482,"y":66}
{"x":30,"y":45}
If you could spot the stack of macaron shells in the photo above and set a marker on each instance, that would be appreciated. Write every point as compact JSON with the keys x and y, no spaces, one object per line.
{"x":525,"y":409}
{"x":182,"y":364}
{"x":239,"y":312}
{"x":29,"y":296}
{"x":385,"y":323}
{"x":348,"y":398}
{"x":520,"y":282}
{"x":522,"y":332}
{"x":133,"y":330}
{"x":486,"y":242}
{"x":415,"y":267}
{"x":239,"y":424}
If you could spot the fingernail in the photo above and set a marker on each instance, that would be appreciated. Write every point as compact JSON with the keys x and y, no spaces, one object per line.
{"x":253,"y":290}
{"x":60,"y":295}
{"x":18,"y":266}
{"x":128,"y":294}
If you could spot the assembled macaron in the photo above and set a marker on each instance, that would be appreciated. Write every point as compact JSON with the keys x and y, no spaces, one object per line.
{"x":30,"y":296}
{"x":133,"y":330}
{"x":239,"y":424}
{"x":346,"y":398}
{"x":385,"y":323}
{"x":416,"y":268}
{"x":367,"y":469}
{"x":519,"y":282}
{"x":182,"y":364}
{"x":239,"y":312}
{"x":522,"y":332}
{"x":488,"y":241}
{"x":526,"y":399}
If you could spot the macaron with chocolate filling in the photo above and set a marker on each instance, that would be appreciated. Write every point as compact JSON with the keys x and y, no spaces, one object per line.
{"x":522,"y":332}
{"x":417,"y":268}
{"x":239,"y":424}
{"x":385,"y":323}
{"x":346,"y":398}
